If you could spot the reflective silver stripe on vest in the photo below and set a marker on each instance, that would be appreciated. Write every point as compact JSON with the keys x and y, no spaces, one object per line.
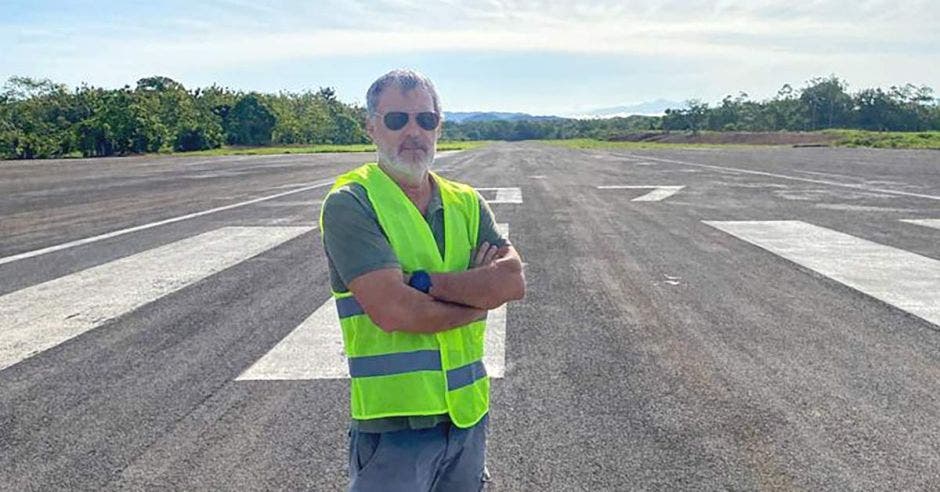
{"x":348,"y":306}
{"x":466,"y":375}
{"x":397,"y":363}
{"x":419,"y":360}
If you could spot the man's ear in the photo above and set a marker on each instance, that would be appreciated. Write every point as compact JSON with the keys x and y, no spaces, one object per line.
{"x":440,"y":130}
{"x":370,"y":127}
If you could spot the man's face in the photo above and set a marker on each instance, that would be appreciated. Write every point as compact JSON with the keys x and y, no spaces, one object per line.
{"x":410,"y":150}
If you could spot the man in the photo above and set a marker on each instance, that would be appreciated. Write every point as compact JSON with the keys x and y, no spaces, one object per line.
{"x":415,"y":263}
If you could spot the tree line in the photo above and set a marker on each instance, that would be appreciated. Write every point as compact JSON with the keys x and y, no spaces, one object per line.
{"x":554,"y":128}
{"x":39,"y":118}
{"x":823,"y":103}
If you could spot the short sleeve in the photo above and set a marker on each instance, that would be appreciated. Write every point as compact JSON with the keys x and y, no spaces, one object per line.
{"x":488,"y":231}
{"x":352,"y":238}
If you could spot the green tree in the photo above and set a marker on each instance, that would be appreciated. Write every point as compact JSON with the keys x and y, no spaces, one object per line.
{"x":37,"y":118}
{"x":347,"y":130}
{"x":785,"y":111}
{"x":827,"y":103}
{"x":250,"y":122}
{"x":876,"y":110}
{"x":696,"y":113}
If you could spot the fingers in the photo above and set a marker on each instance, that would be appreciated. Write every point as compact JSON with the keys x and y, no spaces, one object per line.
{"x":480,"y":254}
{"x":485,"y":254}
{"x":490,"y":255}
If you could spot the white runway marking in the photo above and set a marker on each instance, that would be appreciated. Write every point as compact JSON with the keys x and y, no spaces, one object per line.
{"x":734,"y":170}
{"x":935,"y":223}
{"x":301,"y":203}
{"x":293,"y":185}
{"x":658,"y":193}
{"x":42,"y":316}
{"x":314,"y":350}
{"x":505,"y":195}
{"x":495,"y":350}
{"x":70,"y":244}
{"x":908,"y":281}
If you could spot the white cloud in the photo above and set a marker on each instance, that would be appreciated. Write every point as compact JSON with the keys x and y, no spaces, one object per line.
{"x":754,"y":40}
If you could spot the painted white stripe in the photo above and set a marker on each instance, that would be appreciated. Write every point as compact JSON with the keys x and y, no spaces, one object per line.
{"x":658,"y":193}
{"x":494,"y":355}
{"x":292,"y":203}
{"x":314,"y":350}
{"x":495,"y":344}
{"x":505,"y":195}
{"x":294,"y":185}
{"x":42,"y":316}
{"x":908,"y":281}
{"x":935,"y":223}
{"x":735,"y":170}
{"x":79,"y":242}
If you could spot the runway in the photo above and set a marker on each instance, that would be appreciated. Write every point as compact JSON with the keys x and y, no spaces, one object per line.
{"x":735,"y":318}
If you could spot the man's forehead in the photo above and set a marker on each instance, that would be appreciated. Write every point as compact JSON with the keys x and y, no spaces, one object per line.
{"x":414,"y":99}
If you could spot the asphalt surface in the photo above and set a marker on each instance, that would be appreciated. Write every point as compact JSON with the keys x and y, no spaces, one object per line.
{"x":652,"y":351}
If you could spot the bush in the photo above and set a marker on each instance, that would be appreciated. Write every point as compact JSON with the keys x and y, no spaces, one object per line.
{"x":250,"y":122}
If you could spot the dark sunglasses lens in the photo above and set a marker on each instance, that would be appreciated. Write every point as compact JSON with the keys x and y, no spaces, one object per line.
{"x":396,"y":120}
{"x":428,"y":120}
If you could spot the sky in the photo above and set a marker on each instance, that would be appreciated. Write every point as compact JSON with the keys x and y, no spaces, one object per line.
{"x":538,"y":57}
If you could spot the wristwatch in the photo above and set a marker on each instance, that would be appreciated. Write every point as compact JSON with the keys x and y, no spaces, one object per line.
{"x":420,"y":280}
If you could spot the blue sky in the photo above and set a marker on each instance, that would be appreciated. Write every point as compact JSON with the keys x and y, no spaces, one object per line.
{"x":540,"y":57}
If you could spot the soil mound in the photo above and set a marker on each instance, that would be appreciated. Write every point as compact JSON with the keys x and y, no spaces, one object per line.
{"x":745,"y":138}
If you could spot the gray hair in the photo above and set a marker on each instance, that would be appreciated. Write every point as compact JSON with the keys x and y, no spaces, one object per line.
{"x":406,"y":80}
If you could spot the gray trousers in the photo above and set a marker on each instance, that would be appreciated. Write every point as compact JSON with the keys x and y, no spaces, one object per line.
{"x":442,"y":458}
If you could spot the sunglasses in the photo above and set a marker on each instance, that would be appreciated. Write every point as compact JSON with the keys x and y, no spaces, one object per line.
{"x":396,"y":120}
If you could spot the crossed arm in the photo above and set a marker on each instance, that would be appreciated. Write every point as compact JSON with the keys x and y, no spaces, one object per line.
{"x":455,"y":298}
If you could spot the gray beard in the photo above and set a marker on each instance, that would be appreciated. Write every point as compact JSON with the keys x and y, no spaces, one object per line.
{"x":413,"y":173}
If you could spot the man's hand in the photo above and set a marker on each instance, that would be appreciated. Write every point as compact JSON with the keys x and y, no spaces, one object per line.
{"x":480,"y":257}
{"x":394,"y":306}
{"x":495,"y":276}
{"x":486,"y":254}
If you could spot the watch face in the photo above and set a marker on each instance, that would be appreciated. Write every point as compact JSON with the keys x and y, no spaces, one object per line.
{"x":421,"y":281}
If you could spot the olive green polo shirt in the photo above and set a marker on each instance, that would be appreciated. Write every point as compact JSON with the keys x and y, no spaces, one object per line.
{"x":355,"y":245}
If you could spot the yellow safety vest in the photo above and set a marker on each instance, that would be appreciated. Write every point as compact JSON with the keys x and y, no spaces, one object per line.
{"x":400,"y":373}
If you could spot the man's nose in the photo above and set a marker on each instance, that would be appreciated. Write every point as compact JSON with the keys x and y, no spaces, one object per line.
{"x":412,"y":127}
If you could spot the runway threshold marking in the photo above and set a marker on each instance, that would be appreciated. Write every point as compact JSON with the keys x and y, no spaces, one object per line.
{"x":504,"y":195}
{"x":658,"y":193}
{"x":906,"y":280}
{"x":935,"y":223}
{"x":79,"y":242}
{"x":44,"y":315}
{"x":792,"y":178}
{"x":314,"y":349}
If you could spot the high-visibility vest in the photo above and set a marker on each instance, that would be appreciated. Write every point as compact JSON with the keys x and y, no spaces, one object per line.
{"x":399,"y":373}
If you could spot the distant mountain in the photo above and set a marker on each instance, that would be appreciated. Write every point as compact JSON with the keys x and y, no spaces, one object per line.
{"x":463,"y":117}
{"x":651,"y":108}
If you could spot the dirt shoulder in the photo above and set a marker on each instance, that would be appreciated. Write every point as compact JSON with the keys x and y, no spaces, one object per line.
{"x":740,"y":138}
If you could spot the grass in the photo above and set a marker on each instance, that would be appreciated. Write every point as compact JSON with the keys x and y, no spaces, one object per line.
{"x":886,"y":140}
{"x":316,"y":149}
{"x":843,"y":138}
